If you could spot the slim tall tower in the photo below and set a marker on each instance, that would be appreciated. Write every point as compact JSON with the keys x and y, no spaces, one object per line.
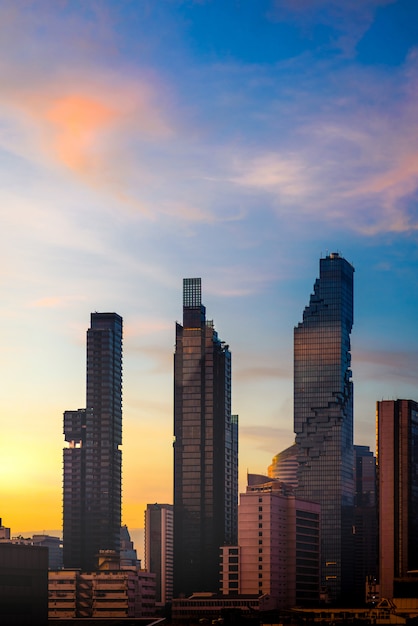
{"x":365,"y":539}
{"x":397,"y":463}
{"x":93,"y":460}
{"x":205,"y":449}
{"x":323,"y":417}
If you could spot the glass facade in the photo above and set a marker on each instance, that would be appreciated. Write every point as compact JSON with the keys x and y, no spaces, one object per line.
{"x":93,"y":460}
{"x":205,"y":449}
{"x":323,"y":418}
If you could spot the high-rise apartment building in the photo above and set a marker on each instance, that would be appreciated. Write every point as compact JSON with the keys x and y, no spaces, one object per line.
{"x":159,"y":522}
{"x":93,"y":459}
{"x":205,"y":449}
{"x":323,"y":417}
{"x":397,"y":471}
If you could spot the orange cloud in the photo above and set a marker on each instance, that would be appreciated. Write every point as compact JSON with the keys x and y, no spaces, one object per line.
{"x":77,"y":120}
{"x":98,"y":127}
{"x":50,"y":302}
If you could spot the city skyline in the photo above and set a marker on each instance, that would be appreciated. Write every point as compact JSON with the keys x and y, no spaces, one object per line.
{"x":140,"y":144}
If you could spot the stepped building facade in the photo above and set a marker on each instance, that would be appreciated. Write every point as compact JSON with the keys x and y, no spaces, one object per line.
{"x":323,"y":419}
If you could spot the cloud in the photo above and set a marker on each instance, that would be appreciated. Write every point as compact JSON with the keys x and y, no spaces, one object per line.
{"x":385,"y":364}
{"x":265,"y":437}
{"x":89,"y":129}
{"x":334,"y":165}
{"x":260,"y":372}
{"x":347,"y":21}
{"x":53,"y":302}
{"x":286,"y":175}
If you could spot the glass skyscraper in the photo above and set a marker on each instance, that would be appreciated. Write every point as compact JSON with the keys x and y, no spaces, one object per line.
{"x":205,"y":449}
{"x":93,"y":459}
{"x":323,"y":418}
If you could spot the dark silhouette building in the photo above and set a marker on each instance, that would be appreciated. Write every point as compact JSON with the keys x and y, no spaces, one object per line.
{"x":365,"y":520}
{"x":93,"y":460}
{"x":323,"y":418}
{"x":205,"y":449}
{"x":397,"y":471}
{"x":23,"y":584}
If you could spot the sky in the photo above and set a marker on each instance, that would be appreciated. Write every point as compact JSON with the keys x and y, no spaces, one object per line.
{"x":145,"y":141}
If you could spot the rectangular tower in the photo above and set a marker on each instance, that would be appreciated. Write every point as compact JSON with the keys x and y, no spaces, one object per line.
{"x":205,"y":449}
{"x":397,"y":463}
{"x":365,"y":538}
{"x":278,"y":546}
{"x":323,"y":417}
{"x":92,"y":462}
{"x":159,"y":549}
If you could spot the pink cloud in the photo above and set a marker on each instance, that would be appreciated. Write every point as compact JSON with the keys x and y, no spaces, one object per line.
{"x":52,"y":302}
{"x":386,"y":363}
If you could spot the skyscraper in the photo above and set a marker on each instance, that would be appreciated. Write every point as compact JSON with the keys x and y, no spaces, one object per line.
{"x":323,"y":417}
{"x":205,"y":449}
{"x":93,"y":460}
{"x":397,"y":463}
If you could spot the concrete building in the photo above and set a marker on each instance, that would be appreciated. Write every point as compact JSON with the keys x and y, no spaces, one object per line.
{"x":159,"y":521}
{"x":323,"y":419}
{"x":205,"y":449}
{"x":107,"y":594}
{"x":397,"y":472}
{"x":23,"y":584}
{"x":278,"y":546}
{"x":93,"y":459}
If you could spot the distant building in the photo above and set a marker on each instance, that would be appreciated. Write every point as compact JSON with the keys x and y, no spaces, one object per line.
{"x":128,"y":554}
{"x":159,"y":519}
{"x":205,"y":449}
{"x":278,"y":547}
{"x":323,"y":419}
{"x":284,"y":466}
{"x":54,"y":544}
{"x":23,"y":584}
{"x":4,"y":531}
{"x":365,"y":522}
{"x":397,"y":471}
{"x":93,"y":459}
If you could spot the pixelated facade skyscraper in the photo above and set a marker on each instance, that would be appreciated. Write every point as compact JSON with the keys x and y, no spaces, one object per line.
{"x":323,"y":418}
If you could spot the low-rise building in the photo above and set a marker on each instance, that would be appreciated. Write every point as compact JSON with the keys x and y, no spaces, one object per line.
{"x":108,"y":593}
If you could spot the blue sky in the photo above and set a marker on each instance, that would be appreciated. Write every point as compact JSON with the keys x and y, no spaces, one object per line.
{"x":142,"y":142}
